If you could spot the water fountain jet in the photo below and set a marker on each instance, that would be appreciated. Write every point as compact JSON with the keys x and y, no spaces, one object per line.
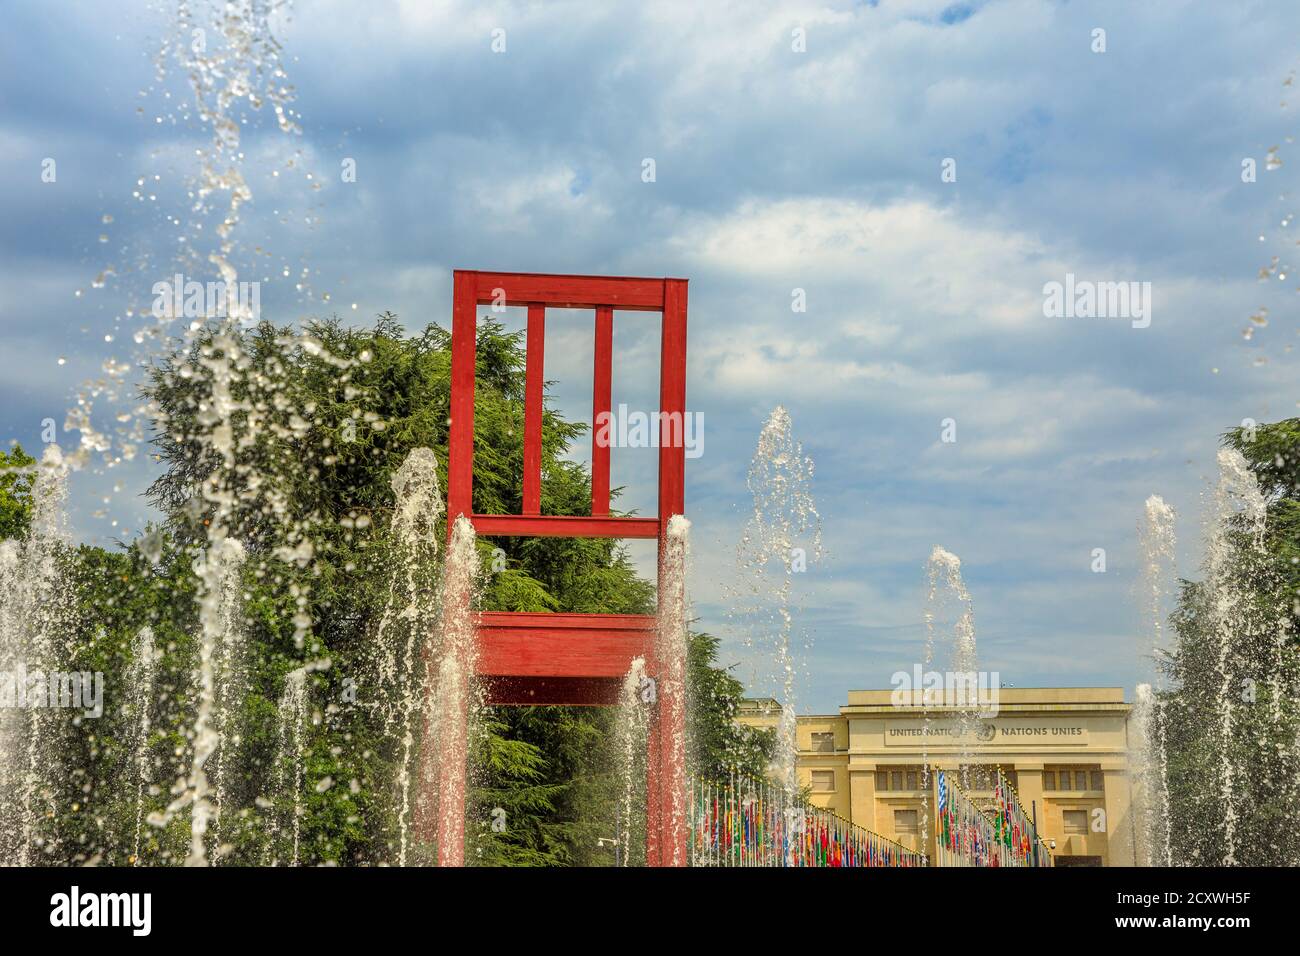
{"x":782,"y":536}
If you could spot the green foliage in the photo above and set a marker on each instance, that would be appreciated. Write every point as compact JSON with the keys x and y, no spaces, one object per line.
{"x":1273,"y":453}
{"x":322,"y":420}
{"x":16,"y":477}
{"x":718,"y":744}
{"x":1260,"y":672}
{"x":114,"y":595}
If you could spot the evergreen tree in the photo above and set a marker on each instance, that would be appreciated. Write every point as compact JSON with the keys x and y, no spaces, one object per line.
{"x":321,"y":421}
{"x":1260,"y":670}
{"x":16,"y":476}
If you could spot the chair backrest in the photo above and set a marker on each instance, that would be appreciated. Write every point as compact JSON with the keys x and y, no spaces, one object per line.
{"x":566,"y":658}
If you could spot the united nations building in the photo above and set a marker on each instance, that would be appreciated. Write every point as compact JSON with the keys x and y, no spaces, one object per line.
{"x":1064,"y":750}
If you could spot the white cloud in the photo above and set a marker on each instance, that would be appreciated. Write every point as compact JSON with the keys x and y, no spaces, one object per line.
{"x":911,"y":249}
{"x":776,"y":170}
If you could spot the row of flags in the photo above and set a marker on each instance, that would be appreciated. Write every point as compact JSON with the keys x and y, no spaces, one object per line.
{"x":743,"y":822}
{"x":965,"y":836}
{"x":969,"y":836}
{"x":1013,"y":828}
{"x":749,"y":823}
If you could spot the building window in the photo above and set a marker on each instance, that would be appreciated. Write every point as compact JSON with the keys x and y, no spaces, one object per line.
{"x":905,"y":821}
{"x":1075,"y":821}
{"x":983,"y":776}
{"x":899,"y":778}
{"x":823,"y":742}
{"x":1074,"y":778}
{"x":823,"y":780}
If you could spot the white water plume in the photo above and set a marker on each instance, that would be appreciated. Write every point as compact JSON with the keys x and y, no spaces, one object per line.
{"x":454,"y":703}
{"x":671,"y":647}
{"x":407,"y":635}
{"x":1157,"y":546}
{"x":1149,"y":780}
{"x":230,"y":678}
{"x":229,"y":54}
{"x":13,"y":721}
{"x":140,"y":687}
{"x":32,"y":638}
{"x":1240,"y":509}
{"x":234,"y":70}
{"x":291,"y":753}
{"x":782,"y":537}
{"x":412,"y":585}
{"x":947,"y":594}
{"x":216,"y":570}
{"x":631,"y":735}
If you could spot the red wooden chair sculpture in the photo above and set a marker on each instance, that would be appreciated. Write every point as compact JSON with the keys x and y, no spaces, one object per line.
{"x":526,"y":658}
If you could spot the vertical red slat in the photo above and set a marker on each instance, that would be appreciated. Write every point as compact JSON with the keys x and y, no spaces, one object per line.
{"x":601,"y":397}
{"x":451,"y":744}
{"x":460,"y":439}
{"x":668,"y":730}
{"x":672,"y":403}
{"x":534,"y":380}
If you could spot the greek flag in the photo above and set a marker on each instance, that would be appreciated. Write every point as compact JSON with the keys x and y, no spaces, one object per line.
{"x":943,"y":793}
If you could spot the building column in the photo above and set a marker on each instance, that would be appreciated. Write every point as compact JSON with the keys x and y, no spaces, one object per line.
{"x":862,"y":796}
{"x":1120,"y":847}
{"x":1029,"y":787}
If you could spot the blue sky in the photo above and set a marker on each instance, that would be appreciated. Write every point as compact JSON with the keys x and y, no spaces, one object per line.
{"x":775,"y":170}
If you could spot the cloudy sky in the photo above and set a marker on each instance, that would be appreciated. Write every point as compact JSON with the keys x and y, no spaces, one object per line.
{"x":794,"y":147}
